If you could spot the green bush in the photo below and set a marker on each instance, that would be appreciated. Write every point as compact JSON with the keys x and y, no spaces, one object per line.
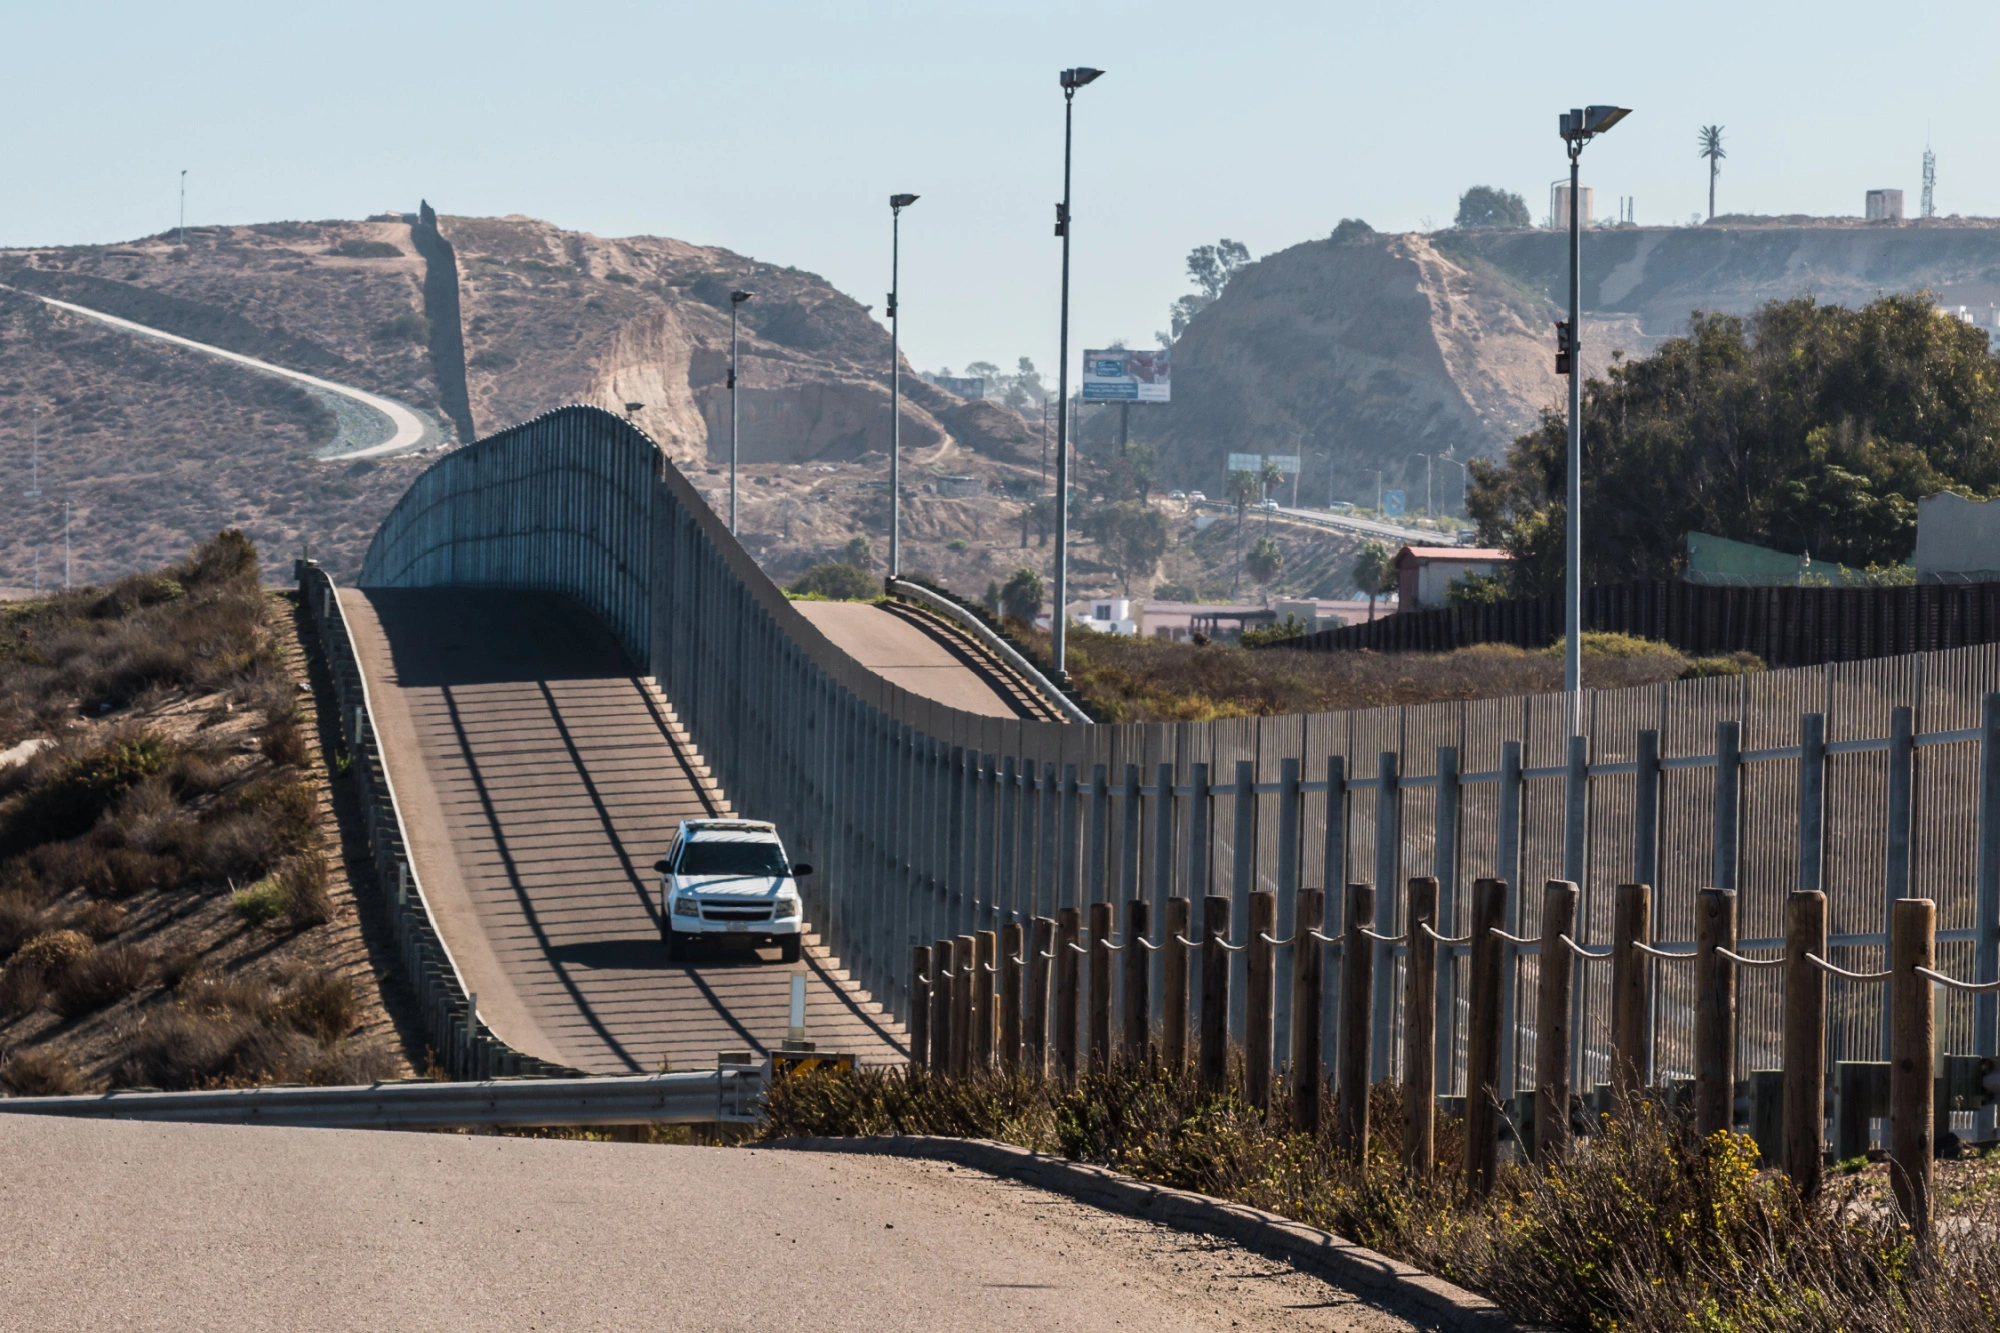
{"x":261,"y":903}
{"x":408,"y":327}
{"x":837,"y":582}
{"x":1292,"y":628}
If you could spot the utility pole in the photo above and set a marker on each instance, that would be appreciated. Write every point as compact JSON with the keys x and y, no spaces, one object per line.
{"x":184,"y":208}
{"x":736,"y":300}
{"x":1427,"y":484}
{"x":1072,"y":79}
{"x":1577,"y":128}
{"x":34,"y":491}
{"x":66,"y":563}
{"x":897,"y":203}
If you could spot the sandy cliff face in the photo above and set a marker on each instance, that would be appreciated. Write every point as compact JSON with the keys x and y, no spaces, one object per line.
{"x":1355,"y":354}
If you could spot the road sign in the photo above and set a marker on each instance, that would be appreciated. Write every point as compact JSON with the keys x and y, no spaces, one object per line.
{"x":1246,"y":462}
{"x":1392,"y":504}
{"x":1287,"y":463}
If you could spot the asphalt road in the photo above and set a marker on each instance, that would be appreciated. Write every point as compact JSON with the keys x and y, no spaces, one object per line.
{"x":406,"y":427}
{"x":931,"y":661}
{"x":199,"y":1227}
{"x":538,"y":785}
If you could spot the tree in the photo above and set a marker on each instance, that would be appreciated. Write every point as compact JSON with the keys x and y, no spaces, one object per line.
{"x":1804,"y":427}
{"x":1264,"y":563}
{"x":1350,"y":230}
{"x":1211,"y":267}
{"x":858,"y":553}
{"x":1269,"y":477}
{"x":1371,"y":572}
{"x":839,"y":583}
{"x":1021,"y":596}
{"x":1485,"y":206}
{"x":1710,"y":141}
{"x":1241,"y":490}
{"x":1131,"y":538}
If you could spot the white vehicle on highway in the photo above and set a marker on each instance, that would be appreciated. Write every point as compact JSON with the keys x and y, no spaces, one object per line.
{"x":729,"y":879}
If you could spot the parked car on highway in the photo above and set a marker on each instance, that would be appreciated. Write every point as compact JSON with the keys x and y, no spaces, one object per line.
{"x":1268,"y":506}
{"x":1177,"y":495}
{"x":729,"y":880}
{"x":1196,"y":497}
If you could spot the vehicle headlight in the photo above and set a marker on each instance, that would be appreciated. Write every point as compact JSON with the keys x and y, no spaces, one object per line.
{"x":788,"y":904}
{"x":687,"y":905}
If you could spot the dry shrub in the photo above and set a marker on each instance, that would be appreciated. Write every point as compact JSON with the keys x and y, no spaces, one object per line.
{"x":53,"y":952}
{"x":285,"y":744}
{"x":308,"y":900}
{"x":64,"y":867}
{"x":22,"y":990}
{"x":103,"y":977}
{"x":40,"y":1072}
{"x":21,"y":919}
{"x":99,"y":920}
{"x":236,"y":1031}
{"x":1644,"y":1228}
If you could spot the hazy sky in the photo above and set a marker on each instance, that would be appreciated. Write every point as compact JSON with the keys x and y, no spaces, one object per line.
{"x":779,"y":130}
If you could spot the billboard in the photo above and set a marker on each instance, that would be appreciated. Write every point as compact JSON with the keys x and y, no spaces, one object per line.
{"x":1116,"y":375}
{"x":970,"y":387}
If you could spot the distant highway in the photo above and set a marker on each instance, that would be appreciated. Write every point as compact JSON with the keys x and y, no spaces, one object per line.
{"x":408,"y":429}
{"x":1367,"y":527}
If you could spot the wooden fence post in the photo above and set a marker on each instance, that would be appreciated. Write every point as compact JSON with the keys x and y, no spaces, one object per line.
{"x":1420,"y":1028}
{"x":1805,"y":1041}
{"x":1069,"y":923}
{"x":1100,"y":985}
{"x":1631,"y":993}
{"x":1714,"y":1012}
{"x":920,"y":1006}
{"x":1174,"y":990}
{"x":1012,"y":965}
{"x":1138,"y":988}
{"x":1035,"y":1006}
{"x":1214,"y":1054}
{"x":982,"y":999}
{"x":1552,"y":1022}
{"x":1308,"y":1076}
{"x":1912,"y":1056}
{"x":1482,"y":1044}
{"x":941,"y":987}
{"x":964,"y":954}
{"x":1357,"y":984}
{"x":1257,"y":1005}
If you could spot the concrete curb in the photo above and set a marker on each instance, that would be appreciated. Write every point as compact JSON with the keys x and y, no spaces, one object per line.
{"x":1408,"y":1292}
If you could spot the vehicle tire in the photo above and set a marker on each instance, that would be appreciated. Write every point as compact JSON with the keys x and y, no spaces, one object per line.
{"x":789,"y":949}
{"x":676,"y":947}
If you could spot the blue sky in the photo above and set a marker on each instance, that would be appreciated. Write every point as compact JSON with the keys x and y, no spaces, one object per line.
{"x":779,"y":129}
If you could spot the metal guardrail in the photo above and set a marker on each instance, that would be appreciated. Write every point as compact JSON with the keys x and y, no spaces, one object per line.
{"x":729,"y":1095}
{"x":460,"y":1041}
{"x":1001,"y":648}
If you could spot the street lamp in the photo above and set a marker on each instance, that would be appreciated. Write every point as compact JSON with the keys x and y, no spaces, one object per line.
{"x":736,"y":299}
{"x":1072,"y":79}
{"x":1427,"y":482}
{"x":1577,"y":129}
{"x":897,"y":203}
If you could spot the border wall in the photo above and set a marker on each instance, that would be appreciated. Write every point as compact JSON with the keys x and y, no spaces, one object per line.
{"x":1873,"y":780}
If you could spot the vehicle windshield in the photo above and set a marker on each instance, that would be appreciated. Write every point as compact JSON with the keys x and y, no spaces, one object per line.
{"x":703,"y":857}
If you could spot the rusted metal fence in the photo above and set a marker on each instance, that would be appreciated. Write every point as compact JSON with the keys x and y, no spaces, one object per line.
{"x":1783,"y":626}
{"x":1872,"y":781}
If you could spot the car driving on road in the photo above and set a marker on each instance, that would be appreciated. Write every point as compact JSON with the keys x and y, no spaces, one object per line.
{"x":729,"y":880}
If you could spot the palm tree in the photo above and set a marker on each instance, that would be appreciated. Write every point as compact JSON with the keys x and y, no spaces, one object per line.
{"x":1269,"y":478}
{"x":1710,"y":140}
{"x":1371,"y":571}
{"x":1242,"y":490}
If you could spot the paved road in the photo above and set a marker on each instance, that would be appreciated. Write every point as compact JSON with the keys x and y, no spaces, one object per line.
{"x":1366,"y":527}
{"x":144,"y":1226}
{"x":407,"y":428}
{"x":539,"y":783}
{"x":925,"y":657}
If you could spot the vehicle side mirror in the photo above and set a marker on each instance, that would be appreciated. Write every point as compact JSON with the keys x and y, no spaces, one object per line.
{"x":801,"y":869}
{"x":663,"y":866}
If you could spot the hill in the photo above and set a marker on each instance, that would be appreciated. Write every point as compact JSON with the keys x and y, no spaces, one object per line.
{"x":1366,"y":352}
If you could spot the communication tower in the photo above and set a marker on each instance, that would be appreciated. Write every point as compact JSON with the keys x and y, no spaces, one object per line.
{"x":1930,"y":183}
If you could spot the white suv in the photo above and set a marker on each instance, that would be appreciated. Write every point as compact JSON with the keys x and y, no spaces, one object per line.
{"x":729,"y":879}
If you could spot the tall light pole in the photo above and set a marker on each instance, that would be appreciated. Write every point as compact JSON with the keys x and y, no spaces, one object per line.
{"x":1072,"y":79}
{"x":1578,"y":128}
{"x":897,"y":203}
{"x":1427,"y":482}
{"x":34,"y":491}
{"x":736,"y":300}
{"x":65,"y":545}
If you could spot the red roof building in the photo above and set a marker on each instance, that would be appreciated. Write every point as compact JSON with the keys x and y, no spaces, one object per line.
{"x":1425,"y":573}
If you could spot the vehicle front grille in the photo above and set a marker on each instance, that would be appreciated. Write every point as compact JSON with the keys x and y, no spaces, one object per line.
{"x":735,"y":912}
